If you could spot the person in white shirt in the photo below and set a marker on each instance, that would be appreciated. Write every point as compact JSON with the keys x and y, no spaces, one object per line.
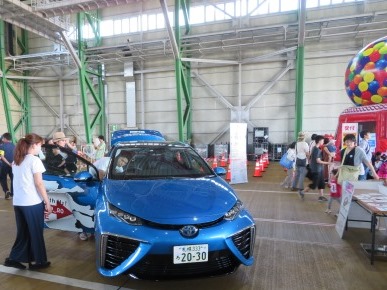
{"x":302,"y":156}
{"x":30,"y":203}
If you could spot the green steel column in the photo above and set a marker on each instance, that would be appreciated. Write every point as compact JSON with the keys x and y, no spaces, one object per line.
{"x":299,"y":89}
{"x":7,"y":90}
{"x":300,"y":67}
{"x":3,"y":84}
{"x":85,"y":81}
{"x":183,"y":76}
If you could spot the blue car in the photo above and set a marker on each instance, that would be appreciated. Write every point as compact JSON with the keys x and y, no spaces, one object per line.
{"x":161,"y":212}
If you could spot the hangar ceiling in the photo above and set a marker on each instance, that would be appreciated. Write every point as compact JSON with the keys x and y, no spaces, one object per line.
{"x":46,"y":21}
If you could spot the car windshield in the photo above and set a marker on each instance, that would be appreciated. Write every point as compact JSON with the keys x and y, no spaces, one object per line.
{"x":161,"y":161}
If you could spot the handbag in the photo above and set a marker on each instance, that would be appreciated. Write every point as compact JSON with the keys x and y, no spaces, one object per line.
{"x":301,"y":162}
{"x":285,"y":162}
{"x":347,"y":172}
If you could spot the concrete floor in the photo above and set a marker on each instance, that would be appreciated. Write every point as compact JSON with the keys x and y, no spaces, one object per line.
{"x":297,"y":247}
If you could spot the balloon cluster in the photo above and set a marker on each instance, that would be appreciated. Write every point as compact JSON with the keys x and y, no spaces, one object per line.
{"x":366,"y":75}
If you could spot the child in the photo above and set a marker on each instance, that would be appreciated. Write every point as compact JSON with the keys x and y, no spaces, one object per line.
{"x":335,"y":190}
{"x":382,"y":172}
{"x":287,"y":182}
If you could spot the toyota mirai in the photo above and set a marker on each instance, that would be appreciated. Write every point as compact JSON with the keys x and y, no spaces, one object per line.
{"x":160,"y":212}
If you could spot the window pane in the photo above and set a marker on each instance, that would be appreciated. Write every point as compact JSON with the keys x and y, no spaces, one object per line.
{"x":263,"y":8}
{"x":152,"y":21}
{"x":219,"y":15}
{"x":273,"y":6}
{"x":144,"y":22}
{"x":252,"y":5}
{"x":311,"y":3}
{"x":289,"y":5}
{"x":197,"y":15}
{"x":337,"y":1}
{"x":107,"y":28}
{"x":125,"y":25}
{"x":325,"y":2}
{"x":210,"y":13}
{"x":117,"y":27}
{"x":230,"y":9}
{"x":160,"y":21}
{"x":133,"y":24}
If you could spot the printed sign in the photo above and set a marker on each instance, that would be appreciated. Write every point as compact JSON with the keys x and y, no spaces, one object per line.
{"x":346,"y":199}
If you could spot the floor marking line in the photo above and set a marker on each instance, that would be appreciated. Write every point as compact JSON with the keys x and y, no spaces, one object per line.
{"x":59,"y":279}
{"x":294,"y":222}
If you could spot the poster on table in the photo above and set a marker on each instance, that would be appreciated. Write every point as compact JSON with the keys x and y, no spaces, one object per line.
{"x":238,"y":139}
{"x":346,"y":199}
{"x":348,"y":128}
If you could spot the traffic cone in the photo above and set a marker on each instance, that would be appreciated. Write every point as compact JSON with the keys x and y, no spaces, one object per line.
{"x":228,"y":174}
{"x":223,"y":161}
{"x":267,"y":162}
{"x":215,"y":163}
{"x":257,"y":169}
{"x":262,"y":164}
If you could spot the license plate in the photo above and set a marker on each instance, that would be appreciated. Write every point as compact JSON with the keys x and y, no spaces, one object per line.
{"x":190,"y":254}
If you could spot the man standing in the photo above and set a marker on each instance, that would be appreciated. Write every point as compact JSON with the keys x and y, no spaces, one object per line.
{"x":365,"y":136}
{"x":6,"y":162}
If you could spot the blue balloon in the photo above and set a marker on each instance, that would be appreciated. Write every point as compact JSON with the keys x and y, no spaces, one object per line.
{"x":373,"y":87}
{"x":381,"y":64}
{"x":357,"y":92}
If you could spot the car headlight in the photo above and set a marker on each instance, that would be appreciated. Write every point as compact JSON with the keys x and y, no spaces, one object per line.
{"x":124,"y":216}
{"x":232,"y":213}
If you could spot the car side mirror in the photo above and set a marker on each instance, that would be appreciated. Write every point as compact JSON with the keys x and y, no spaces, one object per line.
{"x":83,"y":176}
{"x":220,"y":171}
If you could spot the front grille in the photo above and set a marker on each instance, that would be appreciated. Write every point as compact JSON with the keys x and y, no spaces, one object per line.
{"x":116,"y":250}
{"x":159,"y":267}
{"x":177,"y":227}
{"x":244,"y":241}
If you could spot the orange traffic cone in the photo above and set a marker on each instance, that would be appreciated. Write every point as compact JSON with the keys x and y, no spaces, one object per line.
{"x":228,"y":174}
{"x":267,"y":162}
{"x":262,"y":164}
{"x":223,"y":161}
{"x":215,"y":163}
{"x":257,"y":169}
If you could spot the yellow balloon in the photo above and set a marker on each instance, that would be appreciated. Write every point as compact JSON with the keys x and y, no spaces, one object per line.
{"x":363,"y":86}
{"x":367,"y":52}
{"x":379,"y":45}
{"x":357,"y":100}
{"x":376,"y":99}
{"x":369,"y":77}
{"x":383,"y":50}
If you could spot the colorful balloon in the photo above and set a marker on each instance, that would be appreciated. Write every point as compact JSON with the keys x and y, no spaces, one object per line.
{"x":366,"y":75}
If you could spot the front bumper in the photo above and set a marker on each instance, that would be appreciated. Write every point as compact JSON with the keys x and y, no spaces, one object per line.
{"x":147,"y":252}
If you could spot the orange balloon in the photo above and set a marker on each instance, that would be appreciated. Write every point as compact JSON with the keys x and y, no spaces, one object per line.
{"x":357,"y":79}
{"x":382,"y":91}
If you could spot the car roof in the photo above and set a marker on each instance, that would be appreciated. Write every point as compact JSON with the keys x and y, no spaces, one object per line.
{"x":127,"y":135}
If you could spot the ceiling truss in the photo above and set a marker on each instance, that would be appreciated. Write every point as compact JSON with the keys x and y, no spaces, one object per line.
{"x":39,"y":20}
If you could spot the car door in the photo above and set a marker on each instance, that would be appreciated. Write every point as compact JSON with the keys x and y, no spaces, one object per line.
{"x":72,"y":189}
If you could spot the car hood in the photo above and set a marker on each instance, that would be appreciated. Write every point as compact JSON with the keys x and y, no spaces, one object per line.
{"x":172,"y":201}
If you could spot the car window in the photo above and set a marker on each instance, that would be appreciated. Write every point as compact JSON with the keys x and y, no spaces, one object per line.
{"x":141,"y":162}
{"x":62,"y":161}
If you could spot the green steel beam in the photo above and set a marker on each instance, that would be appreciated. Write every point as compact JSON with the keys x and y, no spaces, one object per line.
{"x":299,"y":89}
{"x":183,"y":76}
{"x":7,"y":90}
{"x":86,"y":84}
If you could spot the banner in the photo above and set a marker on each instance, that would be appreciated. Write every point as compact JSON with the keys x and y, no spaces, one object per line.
{"x":238,"y":139}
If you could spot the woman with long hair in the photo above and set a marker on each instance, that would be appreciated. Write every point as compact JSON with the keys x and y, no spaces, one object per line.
{"x":30,"y":201}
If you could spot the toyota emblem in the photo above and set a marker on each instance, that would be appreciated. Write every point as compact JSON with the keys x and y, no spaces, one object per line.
{"x":189,"y":231}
